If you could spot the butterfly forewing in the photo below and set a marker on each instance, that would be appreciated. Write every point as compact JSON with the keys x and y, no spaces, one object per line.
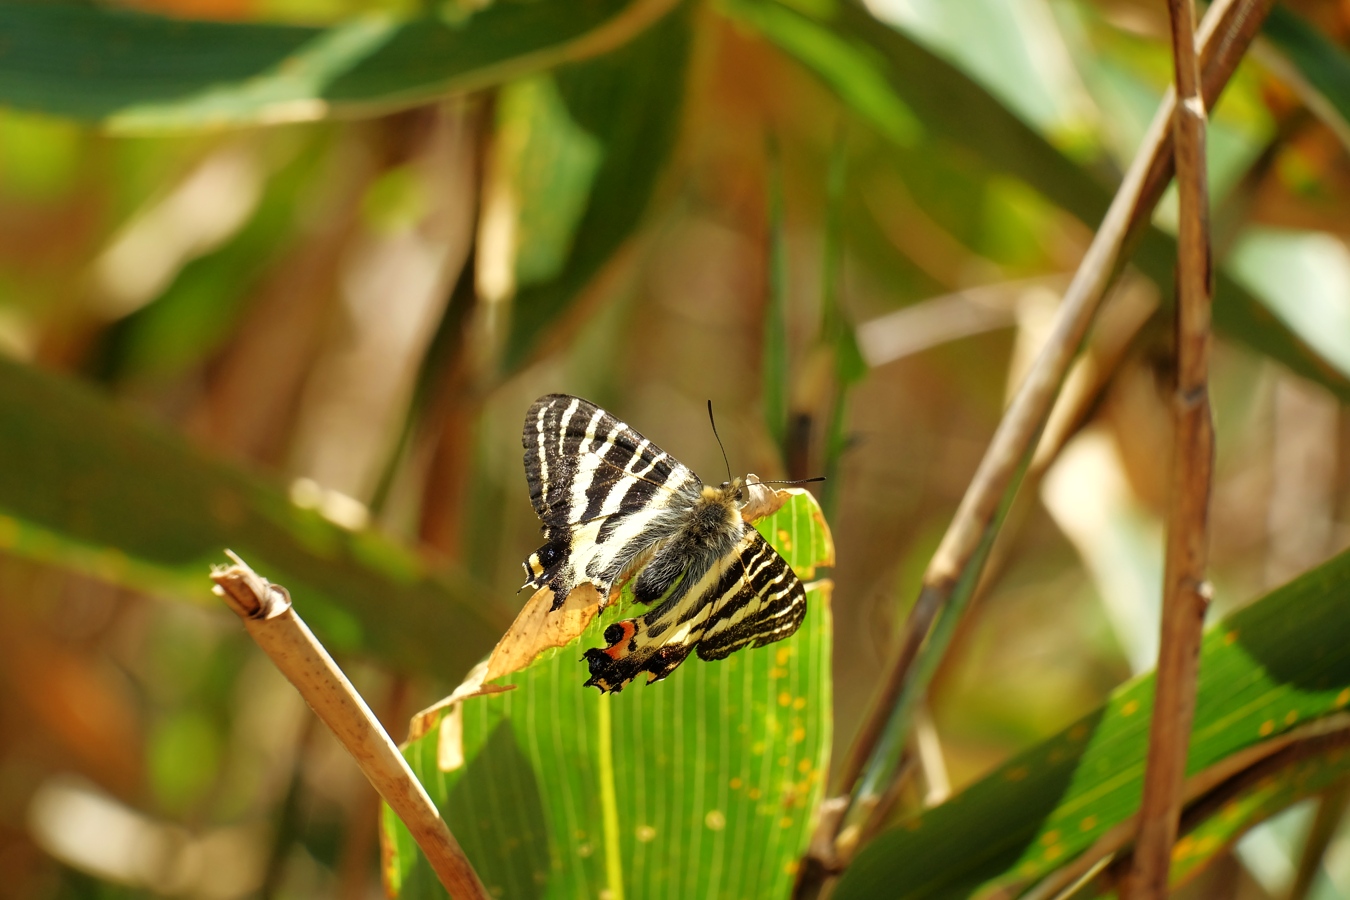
{"x":605,"y":494}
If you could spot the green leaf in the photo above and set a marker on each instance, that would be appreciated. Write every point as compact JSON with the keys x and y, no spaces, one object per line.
{"x":1323,"y":65}
{"x":93,"y":489}
{"x":853,"y":71}
{"x":552,"y":164}
{"x":953,"y":108}
{"x":837,"y":336}
{"x":775,"y":350}
{"x":1278,"y":664}
{"x":197,"y":312}
{"x":1279,"y":788}
{"x":703,"y":785}
{"x":1304,"y":278}
{"x":144,"y":72}
{"x":628,"y":105}
{"x":1217,"y":821}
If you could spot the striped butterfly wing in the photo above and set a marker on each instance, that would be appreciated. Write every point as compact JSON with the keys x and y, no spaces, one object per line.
{"x":604,"y":493}
{"x":750,"y":597}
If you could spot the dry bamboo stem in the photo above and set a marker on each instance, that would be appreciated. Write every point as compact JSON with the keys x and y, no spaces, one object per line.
{"x":271,"y":621}
{"x":1226,"y":33}
{"x":1185,"y":591}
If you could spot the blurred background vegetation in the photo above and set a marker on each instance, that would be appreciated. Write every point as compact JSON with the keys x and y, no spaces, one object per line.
{"x":286,"y":279}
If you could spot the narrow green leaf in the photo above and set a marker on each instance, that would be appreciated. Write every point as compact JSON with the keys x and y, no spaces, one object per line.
{"x":953,"y":108}
{"x":1281,"y":784}
{"x":774,"y":372}
{"x":853,"y":71}
{"x":627,"y":105}
{"x":143,"y":72}
{"x":703,"y":785}
{"x":551,"y":164}
{"x":91,"y":488}
{"x":837,"y":335}
{"x":1323,"y":65}
{"x":1278,"y":664}
{"x":1272,"y":794}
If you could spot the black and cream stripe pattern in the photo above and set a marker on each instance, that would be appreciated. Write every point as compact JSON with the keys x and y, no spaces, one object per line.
{"x":613,"y":504}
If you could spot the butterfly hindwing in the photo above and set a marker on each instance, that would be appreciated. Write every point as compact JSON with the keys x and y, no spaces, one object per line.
{"x":604,"y":493}
{"x":749,"y":597}
{"x":769,"y":607}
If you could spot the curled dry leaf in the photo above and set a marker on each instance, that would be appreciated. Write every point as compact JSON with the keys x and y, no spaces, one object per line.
{"x":471,"y":686}
{"x":539,"y":628}
{"x":763,"y":500}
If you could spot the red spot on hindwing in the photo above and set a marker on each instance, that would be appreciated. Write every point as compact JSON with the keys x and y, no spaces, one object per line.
{"x":617,"y":649}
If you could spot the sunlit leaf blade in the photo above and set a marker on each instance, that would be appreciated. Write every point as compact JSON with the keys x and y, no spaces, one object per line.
{"x":149,"y":72}
{"x":703,"y":785}
{"x":93,"y":489}
{"x":1322,"y":64}
{"x":1279,"y":663}
{"x":629,"y":103}
{"x":953,"y":107}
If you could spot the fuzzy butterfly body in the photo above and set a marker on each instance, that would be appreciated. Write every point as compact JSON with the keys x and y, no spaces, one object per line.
{"x":614,"y":506}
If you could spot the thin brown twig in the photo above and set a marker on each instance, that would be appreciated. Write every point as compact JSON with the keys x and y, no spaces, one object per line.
{"x":266,"y":612}
{"x":1226,"y":33}
{"x":1185,"y":590}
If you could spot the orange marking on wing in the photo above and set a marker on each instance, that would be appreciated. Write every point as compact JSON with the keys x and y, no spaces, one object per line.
{"x":617,"y":650}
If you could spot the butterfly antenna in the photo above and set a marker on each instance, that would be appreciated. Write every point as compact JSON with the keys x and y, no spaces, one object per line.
{"x":713,"y":422}
{"x":798,"y":481}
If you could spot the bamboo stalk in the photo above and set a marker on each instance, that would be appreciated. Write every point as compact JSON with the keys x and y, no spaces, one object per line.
{"x":1226,"y":33}
{"x":267,"y":614}
{"x":1185,"y":590}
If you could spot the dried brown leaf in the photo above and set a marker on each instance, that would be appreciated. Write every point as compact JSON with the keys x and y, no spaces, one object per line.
{"x":763,"y":500}
{"x":539,"y":628}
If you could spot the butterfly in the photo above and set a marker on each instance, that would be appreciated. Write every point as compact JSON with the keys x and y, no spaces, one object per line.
{"x":615,"y":506}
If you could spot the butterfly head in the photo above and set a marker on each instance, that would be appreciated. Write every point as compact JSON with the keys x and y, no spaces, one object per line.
{"x":733,"y":491}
